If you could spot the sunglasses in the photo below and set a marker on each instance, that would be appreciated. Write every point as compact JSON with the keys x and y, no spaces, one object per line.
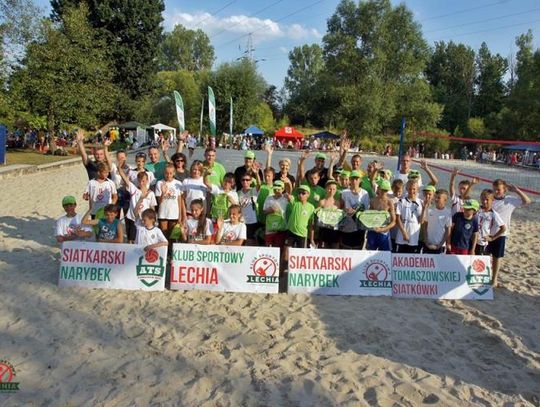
{"x":180,"y":159}
{"x":246,"y":179}
{"x":302,"y":193}
{"x":139,"y":155}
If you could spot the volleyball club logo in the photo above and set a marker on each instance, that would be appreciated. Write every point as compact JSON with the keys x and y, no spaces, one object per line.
{"x":265,"y":269}
{"x":7,"y":375}
{"x":479,"y":277}
{"x":376,"y":274}
{"x":150,"y":269}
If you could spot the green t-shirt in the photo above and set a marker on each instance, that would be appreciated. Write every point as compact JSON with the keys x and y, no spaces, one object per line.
{"x":217,"y":172}
{"x":156,"y":168}
{"x":220,"y":206}
{"x":299,"y":217}
{"x":315,"y":195}
{"x":264,"y":192}
{"x":366,"y":185}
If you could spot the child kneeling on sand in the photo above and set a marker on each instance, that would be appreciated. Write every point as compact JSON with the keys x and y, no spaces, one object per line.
{"x":148,"y":235}
{"x":69,"y":226}
{"x":109,"y":229}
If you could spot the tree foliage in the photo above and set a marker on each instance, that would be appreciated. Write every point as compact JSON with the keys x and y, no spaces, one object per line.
{"x":66,"y":77}
{"x":185,"y":49}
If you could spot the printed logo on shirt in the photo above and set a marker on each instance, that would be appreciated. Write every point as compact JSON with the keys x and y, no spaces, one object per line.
{"x":467,"y":226}
{"x":479,"y":277}
{"x":150,"y":269}
{"x":265,"y":270}
{"x":376,"y":274}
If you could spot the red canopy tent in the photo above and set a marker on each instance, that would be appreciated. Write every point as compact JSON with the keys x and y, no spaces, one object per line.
{"x":286,"y":134}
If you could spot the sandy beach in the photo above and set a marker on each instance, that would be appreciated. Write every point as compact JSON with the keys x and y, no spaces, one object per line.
{"x":74,"y":347}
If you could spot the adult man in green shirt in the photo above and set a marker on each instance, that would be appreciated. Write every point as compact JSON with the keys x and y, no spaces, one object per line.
{"x":216,"y":170}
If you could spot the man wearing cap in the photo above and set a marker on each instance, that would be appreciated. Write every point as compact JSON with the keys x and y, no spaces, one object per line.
{"x":69,"y":227}
{"x":275,"y":207}
{"x":216,"y":171}
{"x":249,"y":168}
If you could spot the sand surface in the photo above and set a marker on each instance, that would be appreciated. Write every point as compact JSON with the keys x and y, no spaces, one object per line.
{"x":74,"y":347}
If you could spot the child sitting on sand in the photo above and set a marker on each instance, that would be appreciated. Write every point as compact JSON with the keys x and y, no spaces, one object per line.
{"x":69,"y":227}
{"x":148,"y":235}
{"x":109,"y":229}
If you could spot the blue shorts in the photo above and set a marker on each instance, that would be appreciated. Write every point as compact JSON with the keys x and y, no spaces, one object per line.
{"x":496,"y":247}
{"x":378,"y":241}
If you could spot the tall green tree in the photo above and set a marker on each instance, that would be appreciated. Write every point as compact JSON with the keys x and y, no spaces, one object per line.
{"x":186,"y":49}
{"x":489,"y":81}
{"x":241,"y":81}
{"x":67,"y":77}
{"x":451,"y":72}
{"x":303,"y":75}
{"x":132,"y":31}
{"x":375,"y":56}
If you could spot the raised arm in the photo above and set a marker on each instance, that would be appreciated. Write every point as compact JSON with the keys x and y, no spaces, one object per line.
{"x":343,"y":148}
{"x":524,"y":198}
{"x":301,"y":172}
{"x":473,"y":182}
{"x":452,"y":186}
{"x":333,"y":159}
{"x":433,"y":178}
{"x":269,"y":150}
{"x":87,"y":218}
{"x":79,"y":137}
{"x":181,"y":141}
{"x":165,"y":149}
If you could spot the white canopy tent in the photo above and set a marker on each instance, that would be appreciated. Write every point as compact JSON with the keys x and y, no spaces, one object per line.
{"x":163,"y":127}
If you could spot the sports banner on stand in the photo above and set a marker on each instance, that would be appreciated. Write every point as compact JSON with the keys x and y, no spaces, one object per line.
{"x":225,"y":268}
{"x":121,"y":266}
{"x":212,"y":111}
{"x":441,"y":276}
{"x":339,"y":272}
{"x":179,"y":111}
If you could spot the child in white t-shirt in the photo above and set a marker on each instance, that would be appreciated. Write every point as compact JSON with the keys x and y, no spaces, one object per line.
{"x":148,"y":235}
{"x":437,"y":222}
{"x":464,"y":191}
{"x":408,"y":213}
{"x":231,"y":232}
{"x":101,"y":191}
{"x":70,"y":227}
{"x":197,"y":228}
{"x":171,"y":206}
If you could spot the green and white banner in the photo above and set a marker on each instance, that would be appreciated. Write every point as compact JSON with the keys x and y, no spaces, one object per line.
{"x":225,"y":268}
{"x":441,"y":276}
{"x":179,"y":111}
{"x":212,"y":111}
{"x":103,"y":265}
{"x":339,"y":272}
{"x":231,"y":118}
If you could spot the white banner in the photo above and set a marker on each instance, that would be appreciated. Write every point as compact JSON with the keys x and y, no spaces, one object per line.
{"x":225,"y":268}
{"x":339,"y":272}
{"x":441,"y":276}
{"x":109,"y":265}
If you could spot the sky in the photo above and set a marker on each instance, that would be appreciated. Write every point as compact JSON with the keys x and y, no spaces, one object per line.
{"x":271,"y":28}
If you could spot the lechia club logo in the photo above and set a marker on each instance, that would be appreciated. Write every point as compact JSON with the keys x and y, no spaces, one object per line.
{"x":150,"y":269}
{"x":265,"y":269}
{"x":7,"y":375}
{"x":376,"y":274}
{"x":479,"y":277}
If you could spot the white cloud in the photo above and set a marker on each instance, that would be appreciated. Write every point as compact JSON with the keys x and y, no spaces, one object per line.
{"x":262,"y":29}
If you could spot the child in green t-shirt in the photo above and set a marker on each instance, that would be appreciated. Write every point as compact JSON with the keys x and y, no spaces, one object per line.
{"x":300,"y":219}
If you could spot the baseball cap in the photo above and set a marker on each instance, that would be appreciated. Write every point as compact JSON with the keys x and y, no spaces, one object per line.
{"x":384,"y":185}
{"x":69,"y":200}
{"x":278,"y":184}
{"x":355,"y":174}
{"x":471,"y":204}
{"x":304,"y":188}
{"x":413,"y":174}
{"x":388,"y":173}
{"x":249,"y":154}
{"x":320,"y":155}
{"x":330,"y":182}
{"x":345,"y":174}
{"x":429,"y":188}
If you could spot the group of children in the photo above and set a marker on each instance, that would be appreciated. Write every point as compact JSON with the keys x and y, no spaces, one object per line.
{"x":322,"y":207}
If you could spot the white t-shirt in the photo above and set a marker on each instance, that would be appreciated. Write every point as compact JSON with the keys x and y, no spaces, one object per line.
{"x":100,"y":193}
{"x":248,"y":202}
{"x":410,"y":212}
{"x":457,"y":204}
{"x":355,"y":200}
{"x":66,"y":226}
{"x":169,"y":191}
{"x":405,"y":178}
{"x":437,"y":222}
{"x":504,"y":207}
{"x":191,"y":141}
{"x":233,"y":232}
{"x":271,"y":201}
{"x":147,"y":237}
{"x":194,"y":188}
{"x":489,"y":223}
{"x":132,"y":175}
{"x":148,"y":202}
{"x":193,"y":236}
{"x":115,"y":176}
